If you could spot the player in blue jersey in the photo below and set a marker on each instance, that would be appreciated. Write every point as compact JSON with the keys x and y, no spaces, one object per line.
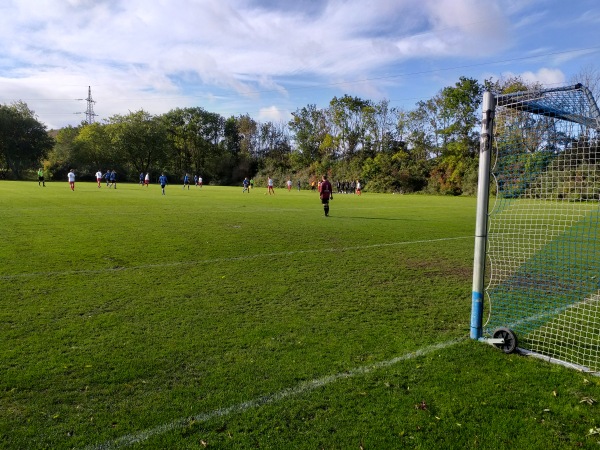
{"x":246,"y":183}
{"x":162,"y":180}
{"x":186,"y":181}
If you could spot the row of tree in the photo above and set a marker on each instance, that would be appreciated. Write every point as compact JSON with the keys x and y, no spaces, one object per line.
{"x":433,"y":147}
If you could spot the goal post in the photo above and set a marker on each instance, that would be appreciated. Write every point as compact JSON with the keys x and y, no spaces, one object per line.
{"x":537,"y":242}
{"x":483,"y":193}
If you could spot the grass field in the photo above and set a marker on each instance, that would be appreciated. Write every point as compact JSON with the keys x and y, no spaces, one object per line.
{"x":209,"y":318}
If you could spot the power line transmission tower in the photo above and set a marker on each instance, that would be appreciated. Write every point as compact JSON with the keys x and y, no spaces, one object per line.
{"x":89,"y":113}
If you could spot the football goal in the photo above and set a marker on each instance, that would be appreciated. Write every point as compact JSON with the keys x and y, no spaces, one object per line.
{"x":536,"y":276}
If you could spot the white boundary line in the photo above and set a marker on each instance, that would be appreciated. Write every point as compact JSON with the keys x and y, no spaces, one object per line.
{"x":307,"y":386}
{"x":219,"y":260}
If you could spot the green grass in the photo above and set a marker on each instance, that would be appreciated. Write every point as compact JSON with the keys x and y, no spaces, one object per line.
{"x":211,"y":318}
{"x":544,"y":262}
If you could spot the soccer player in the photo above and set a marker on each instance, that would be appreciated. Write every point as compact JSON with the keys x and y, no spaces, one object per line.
{"x":200,"y":182}
{"x":186,"y":181}
{"x":246,"y":186}
{"x":107,"y":178}
{"x":162,"y":180}
{"x":99,"y":177}
{"x":71,"y":176}
{"x":113,"y":179}
{"x":41,"y":178}
{"x":141,"y":178}
{"x":196,"y":180}
{"x":147,"y":179}
{"x":289,"y":185}
{"x":326,"y":194}
{"x":270,"y":189}
{"x":358,"y":187}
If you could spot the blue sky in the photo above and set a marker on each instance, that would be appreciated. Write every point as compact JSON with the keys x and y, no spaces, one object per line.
{"x":267,"y":58}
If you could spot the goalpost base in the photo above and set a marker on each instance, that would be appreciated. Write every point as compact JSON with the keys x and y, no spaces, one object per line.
{"x":504,"y":339}
{"x":560,"y":362}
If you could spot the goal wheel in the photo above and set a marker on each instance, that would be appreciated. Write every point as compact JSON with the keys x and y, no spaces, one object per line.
{"x":510,"y":340}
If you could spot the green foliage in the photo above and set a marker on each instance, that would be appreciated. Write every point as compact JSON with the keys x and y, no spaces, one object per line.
{"x":379,"y":173}
{"x":92,"y":150}
{"x":62,"y":156}
{"x":433,"y":147}
{"x":457,"y":106}
{"x":349,"y":120}
{"x":24,"y":141}
{"x":309,"y":126}
{"x":139,"y":141}
{"x":568,"y":175}
{"x":509,"y":85}
{"x":194,"y":136}
{"x":390,"y":150}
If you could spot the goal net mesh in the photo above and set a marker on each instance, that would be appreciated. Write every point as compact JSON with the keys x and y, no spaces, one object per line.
{"x":543,"y":250}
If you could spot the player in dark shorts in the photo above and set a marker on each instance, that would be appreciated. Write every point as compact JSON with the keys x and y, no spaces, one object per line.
{"x":162,"y":180}
{"x":41,"y":181}
{"x":326,"y":194}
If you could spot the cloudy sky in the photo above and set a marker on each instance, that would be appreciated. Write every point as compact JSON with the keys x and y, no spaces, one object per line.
{"x":267,"y":58}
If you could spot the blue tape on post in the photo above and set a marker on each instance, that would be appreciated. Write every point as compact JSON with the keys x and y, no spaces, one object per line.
{"x":476,"y":315}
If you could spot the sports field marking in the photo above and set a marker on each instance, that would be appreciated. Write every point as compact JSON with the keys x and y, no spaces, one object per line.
{"x":221,"y":260}
{"x":307,"y":386}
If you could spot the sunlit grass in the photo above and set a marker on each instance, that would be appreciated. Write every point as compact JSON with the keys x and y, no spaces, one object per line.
{"x":128,"y":316}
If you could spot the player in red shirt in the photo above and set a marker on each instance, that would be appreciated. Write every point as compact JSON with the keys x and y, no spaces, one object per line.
{"x":326,"y":194}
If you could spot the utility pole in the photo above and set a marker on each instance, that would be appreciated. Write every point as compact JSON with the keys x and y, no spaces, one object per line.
{"x":89,"y":113}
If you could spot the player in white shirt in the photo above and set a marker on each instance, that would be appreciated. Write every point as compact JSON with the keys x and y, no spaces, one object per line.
{"x":270,"y":189}
{"x":71,"y":176}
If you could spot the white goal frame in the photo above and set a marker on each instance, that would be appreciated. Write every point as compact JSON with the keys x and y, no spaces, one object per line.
{"x":539,"y":240}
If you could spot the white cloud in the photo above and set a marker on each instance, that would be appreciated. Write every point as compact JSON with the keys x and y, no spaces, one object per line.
{"x":547,"y":77}
{"x":159,"y":54}
{"x":273,"y":114}
{"x":590,"y":17}
{"x":215,"y":38}
{"x":544,"y":76}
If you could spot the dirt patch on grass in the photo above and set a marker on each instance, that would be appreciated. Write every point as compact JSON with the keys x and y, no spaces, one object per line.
{"x":439,"y":267}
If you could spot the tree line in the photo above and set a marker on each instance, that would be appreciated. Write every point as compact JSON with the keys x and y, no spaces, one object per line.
{"x":432,"y":147}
